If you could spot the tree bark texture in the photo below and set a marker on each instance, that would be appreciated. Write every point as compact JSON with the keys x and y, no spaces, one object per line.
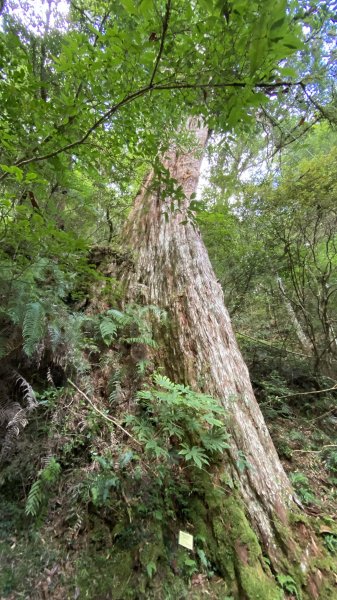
{"x":172,"y":270}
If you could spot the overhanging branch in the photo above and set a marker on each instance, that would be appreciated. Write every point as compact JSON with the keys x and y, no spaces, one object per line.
{"x":138,"y":94}
{"x":162,"y":40}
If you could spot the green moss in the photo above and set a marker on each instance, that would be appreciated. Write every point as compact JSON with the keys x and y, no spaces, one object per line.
{"x":231,"y":542}
{"x":240,"y":528}
{"x":153,"y":548}
{"x":298,"y":517}
{"x":166,"y":586}
{"x":257,"y":585}
{"x":198,"y":515}
{"x":100,"y":574}
{"x":328,"y":590}
{"x":241,"y":553}
{"x":325,"y":563}
{"x":233,"y":545}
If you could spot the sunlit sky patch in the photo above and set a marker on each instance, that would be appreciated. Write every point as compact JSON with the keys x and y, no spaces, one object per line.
{"x":34,"y":14}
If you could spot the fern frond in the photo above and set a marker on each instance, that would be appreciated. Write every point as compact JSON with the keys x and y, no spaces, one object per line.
{"x":13,"y":416}
{"x":27,"y":391}
{"x":164,"y":382}
{"x":40,"y":490}
{"x":8,"y":410}
{"x":118,"y":316}
{"x":115,"y":386}
{"x":142,"y":339}
{"x":50,"y":378}
{"x":55,"y":335}
{"x":156,"y":311}
{"x":51,"y":471}
{"x":35,"y":499}
{"x":76,"y":528}
{"x":108,"y":329}
{"x":46,"y":460}
{"x":33,"y":327}
{"x":142,"y":366}
{"x":18,"y":422}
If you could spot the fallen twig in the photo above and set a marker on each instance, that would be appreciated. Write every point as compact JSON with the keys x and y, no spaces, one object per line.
{"x":317,"y":451}
{"x":111,"y":419}
{"x":264,"y":343}
{"x":328,"y":412}
{"x":307,"y":393}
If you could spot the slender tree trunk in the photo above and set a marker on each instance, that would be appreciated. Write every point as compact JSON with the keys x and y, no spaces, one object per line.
{"x":172,"y":270}
{"x":301,"y":336}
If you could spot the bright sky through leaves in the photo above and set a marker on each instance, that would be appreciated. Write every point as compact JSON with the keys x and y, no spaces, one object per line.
{"x":34,"y":14}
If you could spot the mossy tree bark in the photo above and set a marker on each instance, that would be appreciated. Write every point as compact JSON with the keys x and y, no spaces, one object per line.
{"x":172,"y":270}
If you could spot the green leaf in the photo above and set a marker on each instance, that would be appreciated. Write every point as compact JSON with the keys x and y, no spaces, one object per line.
{"x":277,"y":24}
{"x":194,"y":454}
{"x":151,"y":569}
{"x":13,"y":171}
{"x":146,"y":6}
{"x":202,"y":557}
{"x":34,"y":499}
{"x":129,"y":6}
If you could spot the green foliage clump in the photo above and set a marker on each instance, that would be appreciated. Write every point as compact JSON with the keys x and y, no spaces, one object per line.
{"x":331,"y":461}
{"x":288,"y":584}
{"x":302,"y":487}
{"x":330,"y":541}
{"x":106,"y":480}
{"x":177,"y":422}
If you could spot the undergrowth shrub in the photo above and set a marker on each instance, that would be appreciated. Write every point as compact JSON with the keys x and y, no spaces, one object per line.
{"x":175,"y":422}
{"x":331,"y":460}
{"x":330,"y":542}
{"x":302,"y":488}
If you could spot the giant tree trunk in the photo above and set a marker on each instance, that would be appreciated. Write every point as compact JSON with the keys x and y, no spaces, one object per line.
{"x":172,"y":270}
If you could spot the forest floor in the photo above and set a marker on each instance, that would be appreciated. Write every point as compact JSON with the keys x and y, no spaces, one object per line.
{"x":308,"y":451}
{"x":37,"y":562}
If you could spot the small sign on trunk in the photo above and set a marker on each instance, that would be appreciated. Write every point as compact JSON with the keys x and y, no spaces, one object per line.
{"x":186,"y":540}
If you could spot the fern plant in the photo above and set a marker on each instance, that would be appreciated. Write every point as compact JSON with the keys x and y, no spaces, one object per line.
{"x":33,"y":326}
{"x":302,"y":488}
{"x":108,"y":328}
{"x":41,"y":488}
{"x":288,"y":584}
{"x":175,"y":419}
{"x":100,"y":484}
{"x":134,"y":322}
{"x":14,"y":411}
{"x":35,"y":498}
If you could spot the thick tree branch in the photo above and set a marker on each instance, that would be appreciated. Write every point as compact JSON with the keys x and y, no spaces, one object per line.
{"x":139,"y":93}
{"x":162,"y":40}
